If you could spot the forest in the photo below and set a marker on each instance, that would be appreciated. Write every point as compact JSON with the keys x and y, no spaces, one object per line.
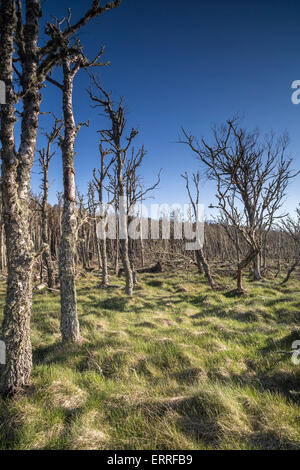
{"x":115,"y":334}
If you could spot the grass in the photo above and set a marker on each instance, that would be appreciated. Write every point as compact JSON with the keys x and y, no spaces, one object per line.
{"x":176,"y":367}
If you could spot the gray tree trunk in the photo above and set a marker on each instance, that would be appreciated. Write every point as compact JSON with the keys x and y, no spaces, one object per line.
{"x":198,"y":261}
{"x":103,"y":252}
{"x":241,"y":266}
{"x":256,"y":268}
{"x":16,"y":172}
{"x":69,"y":324}
{"x":44,"y":232}
{"x":202,"y":261}
{"x":292,"y":269}
{"x":124,"y":238}
{"x":131,"y":255}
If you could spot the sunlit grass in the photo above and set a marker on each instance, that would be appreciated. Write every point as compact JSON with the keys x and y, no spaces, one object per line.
{"x":178,"y":366}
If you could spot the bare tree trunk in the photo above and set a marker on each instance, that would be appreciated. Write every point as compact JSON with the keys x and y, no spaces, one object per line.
{"x":291,"y":269}
{"x":93,"y":213}
{"x":200,"y":256}
{"x":256,"y":268}
{"x":99,"y":185}
{"x":142,"y":251}
{"x":44,"y":161}
{"x":237,"y":246}
{"x":16,"y":171}
{"x":47,"y":254}
{"x":198,"y":261}
{"x":279,"y":256}
{"x":131,"y":255}
{"x":103,"y":252}
{"x":242,"y":265}
{"x":103,"y":246}
{"x":117,"y":257}
{"x":264,"y":253}
{"x":97,"y":248}
{"x":141,"y":237}
{"x":199,"y":253}
{"x":1,"y":245}
{"x":117,"y":239}
{"x":113,"y":138}
{"x":124,"y":237}
{"x":69,"y":324}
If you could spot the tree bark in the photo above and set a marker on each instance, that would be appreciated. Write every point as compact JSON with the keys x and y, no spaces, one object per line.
{"x":124,"y":239}
{"x":131,"y":255}
{"x":69,"y":324}
{"x":198,"y":261}
{"x":242,"y":265}
{"x":202,"y":261}
{"x":103,"y":252}
{"x":16,"y":172}
{"x":256,"y":268}
{"x":291,"y":269}
{"x":117,"y":245}
{"x":46,"y":257}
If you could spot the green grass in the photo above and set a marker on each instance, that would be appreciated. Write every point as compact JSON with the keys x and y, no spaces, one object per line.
{"x":176,"y":367}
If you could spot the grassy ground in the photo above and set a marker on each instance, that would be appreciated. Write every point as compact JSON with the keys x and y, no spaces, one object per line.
{"x":176,"y":367}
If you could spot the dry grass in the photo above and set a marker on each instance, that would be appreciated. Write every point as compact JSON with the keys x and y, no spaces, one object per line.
{"x":176,"y":367}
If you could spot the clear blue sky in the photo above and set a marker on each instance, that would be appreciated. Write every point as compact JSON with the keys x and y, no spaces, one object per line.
{"x":186,"y":64}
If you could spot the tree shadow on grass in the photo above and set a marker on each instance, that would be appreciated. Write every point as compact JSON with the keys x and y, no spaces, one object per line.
{"x":192,"y":415}
{"x":272,"y":302}
{"x":236,"y":293}
{"x":284,"y":343}
{"x":270,"y":440}
{"x":70,"y":417}
{"x":57,"y":353}
{"x":114,"y":303}
{"x":284,"y":382}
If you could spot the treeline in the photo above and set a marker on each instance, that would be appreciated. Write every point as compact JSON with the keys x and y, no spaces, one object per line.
{"x":223,"y":246}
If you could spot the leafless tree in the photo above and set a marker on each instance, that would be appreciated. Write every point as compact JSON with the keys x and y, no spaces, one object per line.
{"x":251,"y":178}
{"x":72,"y":61}
{"x":135,"y":191}
{"x":45,"y":158}
{"x":92,"y":207}
{"x":23,"y":62}
{"x":114,"y":140}
{"x":201,"y":261}
{"x":291,"y":226}
{"x":98,"y":182}
{"x":82,"y":230}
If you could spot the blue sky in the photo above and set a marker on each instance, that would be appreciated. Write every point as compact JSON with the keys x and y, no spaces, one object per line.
{"x":185,"y":64}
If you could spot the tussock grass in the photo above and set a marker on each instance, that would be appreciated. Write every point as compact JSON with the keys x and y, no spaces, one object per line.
{"x":176,"y":367}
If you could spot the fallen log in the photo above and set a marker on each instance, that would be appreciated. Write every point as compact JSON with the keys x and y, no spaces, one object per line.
{"x":157,"y":268}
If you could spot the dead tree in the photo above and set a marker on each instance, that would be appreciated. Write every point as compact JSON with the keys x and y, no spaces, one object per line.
{"x":141,"y":234}
{"x":18,"y":39}
{"x":24,"y":62}
{"x":44,"y":161}
{"x":201,"y":261}
{"x":279,"y":252}
{"x":135,"y":192}
{"x":114,"y":188}
{"x":251,"y":178}
{"x":264,"y":251}
{"x":113,"y":139}
{"x":82,"y":231}
{"x":2,"y":242}
{"x":98,"y":182}
{"x":291,"y":227}
{"x":72,"y":61}
{"x":92,"y":207}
